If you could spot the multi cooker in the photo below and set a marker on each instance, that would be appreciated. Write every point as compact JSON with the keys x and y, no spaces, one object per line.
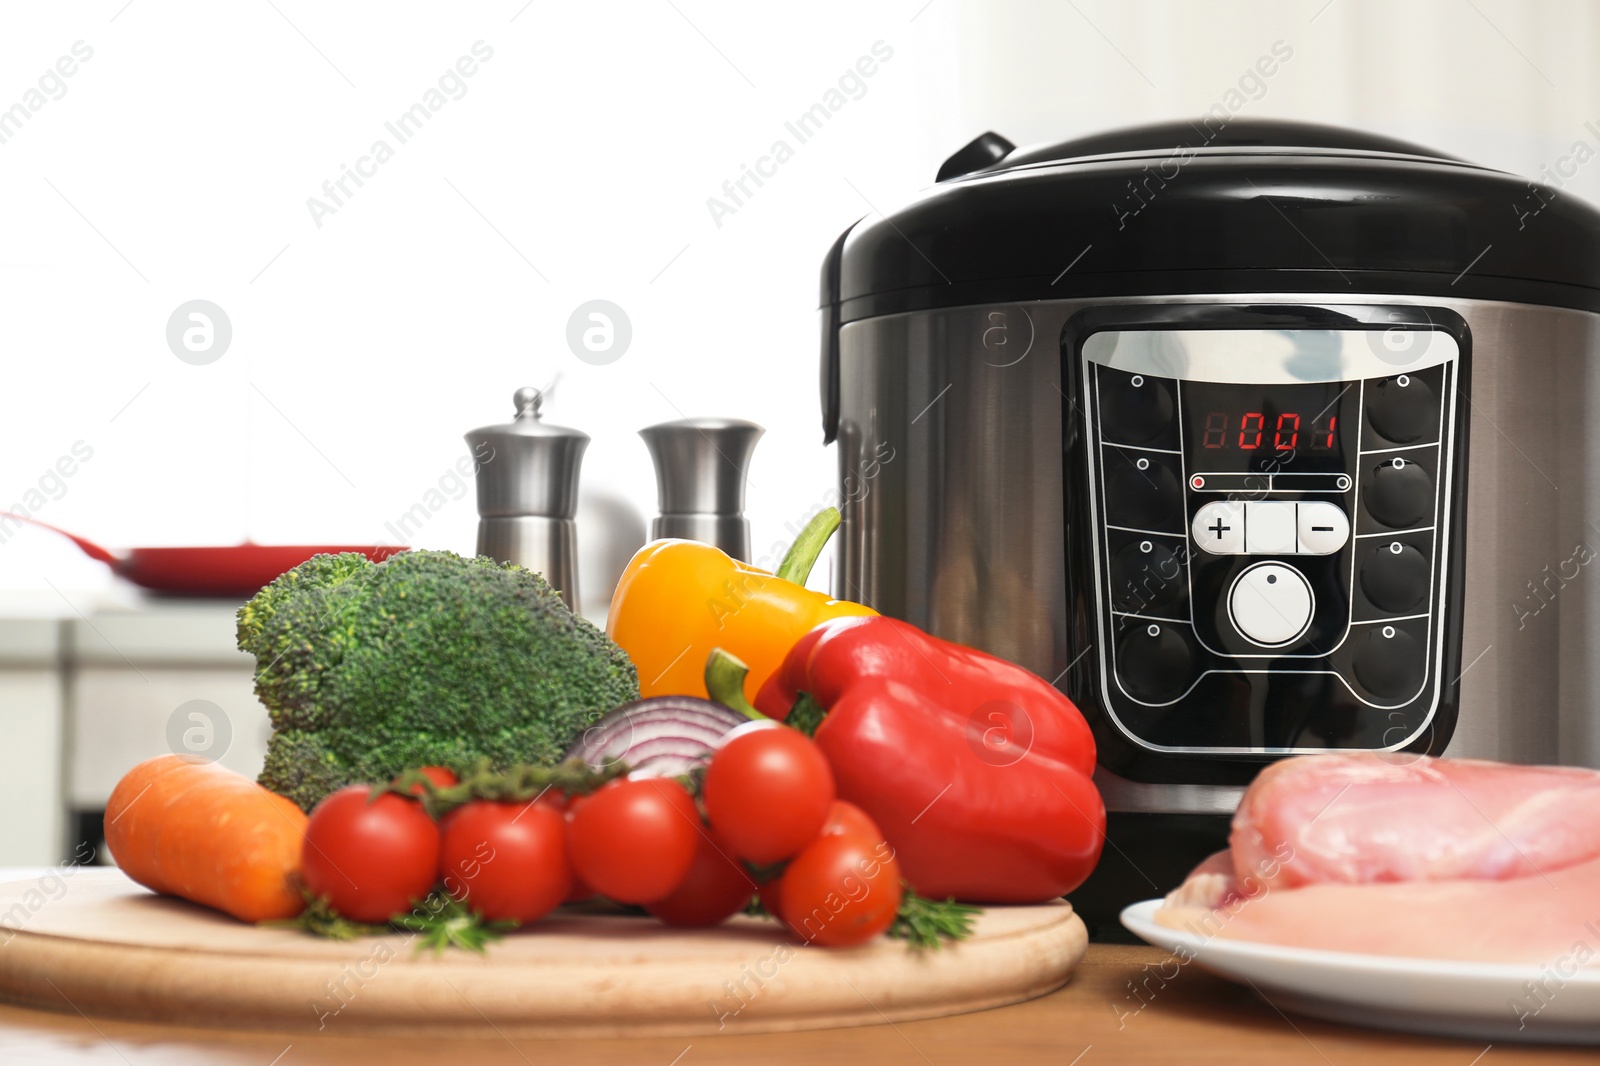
{"x":1257,"y":439}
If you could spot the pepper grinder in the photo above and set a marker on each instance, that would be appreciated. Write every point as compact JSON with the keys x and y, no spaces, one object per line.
{"x":701,"y":465}
{"x":528,"y":493}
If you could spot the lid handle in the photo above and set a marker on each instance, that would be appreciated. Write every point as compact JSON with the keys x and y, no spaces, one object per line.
{"x":528,"y":400}
{"x":984,"y":150}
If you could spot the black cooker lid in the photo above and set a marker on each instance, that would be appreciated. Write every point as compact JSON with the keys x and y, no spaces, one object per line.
{"x":1253,"y":205}
{"x":1254,"y":195}
{"x":1160,"y":138}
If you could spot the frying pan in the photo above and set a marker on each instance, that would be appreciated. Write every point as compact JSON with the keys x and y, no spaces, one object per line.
{"x":236,"y":570}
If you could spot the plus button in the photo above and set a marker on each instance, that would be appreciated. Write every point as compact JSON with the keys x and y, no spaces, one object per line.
{"x":1218,"y":527}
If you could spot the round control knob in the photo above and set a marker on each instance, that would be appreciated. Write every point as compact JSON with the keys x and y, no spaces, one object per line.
{"x":1403,"y":409}
{"x":1138,"y":410}
{"x":1154,"y":662}
{"x":1142,"y":492}
{"x":1271,"y":604}
{"x":1399,"y":493}
{"x":1146,"y":575}
{"x":1389,"y":663}
{"x":1395,"y":577}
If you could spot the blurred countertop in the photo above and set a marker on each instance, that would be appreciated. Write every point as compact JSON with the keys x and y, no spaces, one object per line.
{"x":1192,"y":1017}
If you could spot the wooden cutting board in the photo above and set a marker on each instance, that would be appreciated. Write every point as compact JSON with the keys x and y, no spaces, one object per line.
{"x":93,"y":942}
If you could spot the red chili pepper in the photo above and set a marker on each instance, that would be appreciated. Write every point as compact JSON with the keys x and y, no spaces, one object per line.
{"x":977,"y":771}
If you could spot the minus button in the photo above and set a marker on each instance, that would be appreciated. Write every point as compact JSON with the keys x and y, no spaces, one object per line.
{"x":1324,"y":527}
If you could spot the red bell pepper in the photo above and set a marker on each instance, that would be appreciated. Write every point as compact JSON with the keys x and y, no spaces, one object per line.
{"x":977,"y":771}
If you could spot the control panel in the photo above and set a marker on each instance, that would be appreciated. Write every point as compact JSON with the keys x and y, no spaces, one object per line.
{"x":1268,"y":528}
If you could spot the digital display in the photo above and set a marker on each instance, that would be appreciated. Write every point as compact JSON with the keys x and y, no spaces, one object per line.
{"x":1253,"y":428}
{"x":1250,"y":431}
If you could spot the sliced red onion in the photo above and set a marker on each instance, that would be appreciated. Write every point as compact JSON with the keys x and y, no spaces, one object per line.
{"x":749,"y":725}
{"x":660,"y":737}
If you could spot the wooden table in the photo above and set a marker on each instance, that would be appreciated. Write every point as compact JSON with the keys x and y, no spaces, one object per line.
{"x":1195,"y":1018}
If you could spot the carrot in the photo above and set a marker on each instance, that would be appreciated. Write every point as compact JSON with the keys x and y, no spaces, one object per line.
{"x":188,"y":827}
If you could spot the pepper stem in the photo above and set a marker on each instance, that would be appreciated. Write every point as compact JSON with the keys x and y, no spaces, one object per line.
{"x":725,"y":676}
{"x":802,"y":555}
{"x":806,"y":714}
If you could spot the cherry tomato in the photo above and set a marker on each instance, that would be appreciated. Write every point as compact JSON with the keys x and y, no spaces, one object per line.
{"x":846,"y":819}
{"x":579,"y":891}
{"x":715,"y":888}
{"x":370,"y":858}
{"x":841,"y":890}
{"x":441,"y":776}
{"x":507,"y":861}
{"x":771,"y":895}
{"x":633,"y":841}
{"x":768,"y":792}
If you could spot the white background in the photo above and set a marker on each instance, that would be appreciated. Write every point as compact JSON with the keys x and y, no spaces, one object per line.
{"x":577,"y":165}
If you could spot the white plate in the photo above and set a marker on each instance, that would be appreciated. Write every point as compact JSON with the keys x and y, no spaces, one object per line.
{"x":1460,"y":999}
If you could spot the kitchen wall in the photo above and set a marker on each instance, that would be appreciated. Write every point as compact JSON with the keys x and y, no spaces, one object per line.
{"x":1509,"y":83}
{"x":186,"y":159}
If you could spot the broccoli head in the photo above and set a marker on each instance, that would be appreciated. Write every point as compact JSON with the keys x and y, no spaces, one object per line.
{"x":425,"y":659}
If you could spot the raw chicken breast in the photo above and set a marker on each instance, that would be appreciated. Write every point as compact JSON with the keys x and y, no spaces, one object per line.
{"x":1408,"y":856}
{"x":1551,"y":920}
{"x":1376,"y":817}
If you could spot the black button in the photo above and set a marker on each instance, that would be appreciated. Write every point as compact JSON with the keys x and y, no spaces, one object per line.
{"x":1399,"y":493}
{"x":1395,"y":577}
{"x":1146,"y":576}
{"x":1403,"y":409}
{"x":1142,"y":492}
{"x":1389,"y":663}
{"x":1135,"y":410}
{"x":1154,"y":662}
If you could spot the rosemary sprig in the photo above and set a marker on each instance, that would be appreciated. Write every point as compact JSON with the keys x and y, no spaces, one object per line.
{"x":928,"y":923}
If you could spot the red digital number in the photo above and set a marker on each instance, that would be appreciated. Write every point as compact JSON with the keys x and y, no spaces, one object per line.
{"x":1246,"y":442}
{"x":1323,"y":432}
{"x":1284,"y":421}
{"x":1216,"y":430}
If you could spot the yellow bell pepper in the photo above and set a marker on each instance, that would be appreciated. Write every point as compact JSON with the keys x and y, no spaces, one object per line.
{"x":679,"y":599}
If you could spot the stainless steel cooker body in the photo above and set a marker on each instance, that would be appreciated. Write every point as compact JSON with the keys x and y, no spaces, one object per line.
{"x":954,"y":432}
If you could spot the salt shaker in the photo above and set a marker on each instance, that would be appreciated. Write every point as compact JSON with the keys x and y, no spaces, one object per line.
{"x":528,"y":493}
